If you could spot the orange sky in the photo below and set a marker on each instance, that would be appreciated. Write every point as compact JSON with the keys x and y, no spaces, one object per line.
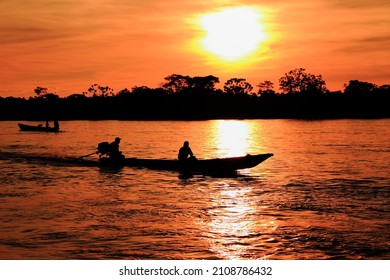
{"x":67,"y":45}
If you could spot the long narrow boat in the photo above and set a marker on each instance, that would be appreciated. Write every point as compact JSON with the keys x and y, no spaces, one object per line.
{"x":218,"y":165}
{"x":204,"y":166}
{"x":27,"y":127}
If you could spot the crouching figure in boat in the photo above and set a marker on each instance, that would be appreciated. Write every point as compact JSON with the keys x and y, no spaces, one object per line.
{"x":109,"y":153}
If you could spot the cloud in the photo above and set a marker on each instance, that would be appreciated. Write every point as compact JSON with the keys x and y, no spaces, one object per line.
{"x":28,"y":21}
{"x":358,"y":4}
{"x":368,"y":44}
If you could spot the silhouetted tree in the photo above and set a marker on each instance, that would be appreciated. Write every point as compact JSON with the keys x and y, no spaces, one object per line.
{"x":266,"y":88}
{"x":76,"y":96}
{"x":176,"y":83}
{"x":359,"y":87}
{"x":40,"y":91}
{"x":298,"y":81}
{"x":185,"y":84}
{"x":51,"y":96}
{"x":197,"y":98}
{"x":124,"y":93}
{"x":203,"y":84}
{"x":141,"y":90}
{"x":237,"y":86}
{"x":98,"y":90}
{"x":383,"y":89}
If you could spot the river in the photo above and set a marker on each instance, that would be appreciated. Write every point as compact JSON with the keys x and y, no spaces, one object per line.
{"x":325,"y":194}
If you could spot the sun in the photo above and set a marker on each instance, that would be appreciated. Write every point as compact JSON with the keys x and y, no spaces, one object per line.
{"x":232,"y":33}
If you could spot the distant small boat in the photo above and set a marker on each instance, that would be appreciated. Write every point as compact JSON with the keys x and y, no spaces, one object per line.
{"x":40,"y":127}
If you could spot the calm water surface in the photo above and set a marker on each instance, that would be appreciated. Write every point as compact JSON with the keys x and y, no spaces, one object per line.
{"x":324,"y":195}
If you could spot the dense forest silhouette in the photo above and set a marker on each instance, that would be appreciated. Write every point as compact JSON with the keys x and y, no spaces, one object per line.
{"x":301,"y":95}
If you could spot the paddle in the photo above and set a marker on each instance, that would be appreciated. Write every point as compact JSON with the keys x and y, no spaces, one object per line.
{"x":87,"y":155}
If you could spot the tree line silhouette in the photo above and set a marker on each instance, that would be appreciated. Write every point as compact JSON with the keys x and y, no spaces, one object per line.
{"x":302,"y":95}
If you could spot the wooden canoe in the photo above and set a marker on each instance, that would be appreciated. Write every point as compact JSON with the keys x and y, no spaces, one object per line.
{"x":217,"y":165}
{"x":41,"y":128}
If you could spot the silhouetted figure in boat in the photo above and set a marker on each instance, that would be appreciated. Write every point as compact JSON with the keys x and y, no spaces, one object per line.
{"x":185,"y":153}
{"x":56,"y":125}
{"x":47,"y":124}
{"x":113,"y":151}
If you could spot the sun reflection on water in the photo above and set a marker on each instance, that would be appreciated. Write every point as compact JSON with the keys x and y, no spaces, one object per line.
{"x":232,"y":138}
{"x":235,"y":225}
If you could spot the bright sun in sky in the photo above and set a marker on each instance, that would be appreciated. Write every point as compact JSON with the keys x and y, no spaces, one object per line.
{"x":232,"y":33}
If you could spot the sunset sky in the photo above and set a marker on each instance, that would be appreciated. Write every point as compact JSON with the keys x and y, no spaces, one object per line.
{"x":68,"y":45}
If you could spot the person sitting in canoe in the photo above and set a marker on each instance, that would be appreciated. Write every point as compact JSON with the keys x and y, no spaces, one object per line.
{"x":56,"y":125}
{"x":113,"y":151}
{"x":185,"y":153}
